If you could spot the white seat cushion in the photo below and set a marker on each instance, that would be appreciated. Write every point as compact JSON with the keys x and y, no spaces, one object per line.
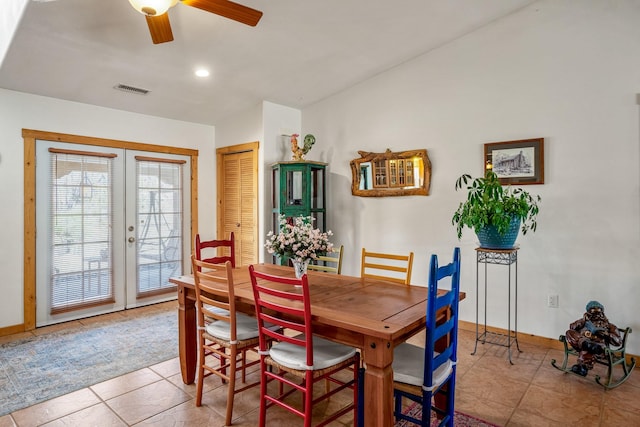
{"x":246,"y":328}
{"x":325,"y":353}
{"x":408,"y":366}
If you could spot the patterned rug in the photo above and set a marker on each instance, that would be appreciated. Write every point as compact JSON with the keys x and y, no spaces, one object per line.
{"x":459,"y":419}
{"x":39,"y":368}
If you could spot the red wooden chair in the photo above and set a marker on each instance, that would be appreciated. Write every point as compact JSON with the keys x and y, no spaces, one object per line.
{"x":216,"y":244}
{"x":299,"y":361}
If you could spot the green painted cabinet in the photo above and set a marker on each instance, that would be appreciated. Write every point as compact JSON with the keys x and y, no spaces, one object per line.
{"x":298,"y":188}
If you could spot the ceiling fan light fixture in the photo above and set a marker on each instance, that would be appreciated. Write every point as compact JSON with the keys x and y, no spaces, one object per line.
{"x":152,"y":7}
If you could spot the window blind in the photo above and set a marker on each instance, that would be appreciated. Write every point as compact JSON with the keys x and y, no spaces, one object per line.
{"x":81,"y":236}
{"x":159,"y":212}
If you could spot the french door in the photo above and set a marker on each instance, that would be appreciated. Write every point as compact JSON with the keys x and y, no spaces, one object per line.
{"x":111,"y":229}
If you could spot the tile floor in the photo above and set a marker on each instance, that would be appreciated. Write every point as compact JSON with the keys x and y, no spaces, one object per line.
{"x":529,"y":393}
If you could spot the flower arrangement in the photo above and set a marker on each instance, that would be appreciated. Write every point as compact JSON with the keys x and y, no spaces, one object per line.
{"x":298,"y":240}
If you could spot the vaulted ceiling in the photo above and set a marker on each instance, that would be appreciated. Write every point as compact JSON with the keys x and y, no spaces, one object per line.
{"x":300,"y":52}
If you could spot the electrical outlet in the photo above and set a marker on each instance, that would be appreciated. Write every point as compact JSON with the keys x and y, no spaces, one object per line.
{"x":552,"y":301}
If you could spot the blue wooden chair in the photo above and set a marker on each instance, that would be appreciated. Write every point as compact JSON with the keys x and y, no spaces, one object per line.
{"x":421,"y":373}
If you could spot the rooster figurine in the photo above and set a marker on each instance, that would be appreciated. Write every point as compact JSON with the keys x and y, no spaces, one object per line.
{"x":298,"y":153}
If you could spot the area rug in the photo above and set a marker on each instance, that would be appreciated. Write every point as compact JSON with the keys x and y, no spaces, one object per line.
{"x":459,"y":419}
{"x":39,"y":368}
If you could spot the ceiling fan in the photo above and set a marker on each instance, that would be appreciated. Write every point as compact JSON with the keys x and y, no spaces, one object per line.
{"x":155,"y":12}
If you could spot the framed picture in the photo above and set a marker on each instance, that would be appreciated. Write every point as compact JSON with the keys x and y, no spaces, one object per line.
{"x":516,"y":162}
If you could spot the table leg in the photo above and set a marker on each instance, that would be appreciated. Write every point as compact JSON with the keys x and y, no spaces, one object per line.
{"x":187,"y":336}
{"x":378,"y":383}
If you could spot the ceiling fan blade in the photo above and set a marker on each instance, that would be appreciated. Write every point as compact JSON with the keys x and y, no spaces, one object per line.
{"x":228,"y":9}
{"x":160,"y":28}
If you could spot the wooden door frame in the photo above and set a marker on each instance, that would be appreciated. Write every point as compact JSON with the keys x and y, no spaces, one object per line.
{"x":220,"y":153}
{"x":30,"y":137}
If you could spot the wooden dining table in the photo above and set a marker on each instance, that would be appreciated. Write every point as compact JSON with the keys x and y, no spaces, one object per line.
{"x":372,"y":315}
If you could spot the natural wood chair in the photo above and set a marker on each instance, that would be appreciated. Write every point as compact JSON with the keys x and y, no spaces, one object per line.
{"x":300,"y":361}
{"x":223,"y":333}
{"x":330,"y":263}
{"x":393,"y":268}
{"x":420,"y":373}
{"x":218,"y":246}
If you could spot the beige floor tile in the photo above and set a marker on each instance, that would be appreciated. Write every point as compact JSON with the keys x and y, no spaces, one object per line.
{"x":153,"y":308}
{"x":190,"y":389}
{"x":55,"y":408}
{"x":15,"y":337}
{"x":626,"y":397}
{"x":102,"y":319}
{"x":634,"y":379}
{"x":123,"y":384}
{"x":243,"y":402}
{"x":167,"y":368}
{"x":522,"y":369}
{"x":559,"y":407}
{"x":186,"y":414}
{"x":522,"y":418}
{"x":550,"y":378}
{"x":147,"y":401}
{"x":493,"y":385}
{"x":475,"y":405}
{"x":66,"y":326}
{"x":618,"y":417}
{"x":7,"y":421}
{"x":95,"y":416}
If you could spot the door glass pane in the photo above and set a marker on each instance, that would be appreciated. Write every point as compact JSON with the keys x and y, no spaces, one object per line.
{"x":81,"y":232}
{"x":294,"y":188}
{"x":159,"y":217}
{"x":317,"y":187}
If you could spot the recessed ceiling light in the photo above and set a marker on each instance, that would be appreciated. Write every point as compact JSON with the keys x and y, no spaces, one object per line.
{"x":201,"y":72}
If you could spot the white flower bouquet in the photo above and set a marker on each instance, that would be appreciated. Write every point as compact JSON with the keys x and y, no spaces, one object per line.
{"x":298,"y":240}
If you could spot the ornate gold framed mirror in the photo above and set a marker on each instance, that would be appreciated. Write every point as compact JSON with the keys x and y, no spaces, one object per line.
{"x":403,"y":173}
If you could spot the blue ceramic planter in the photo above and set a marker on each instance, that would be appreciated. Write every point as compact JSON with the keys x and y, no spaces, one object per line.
{"x":491,"y":239}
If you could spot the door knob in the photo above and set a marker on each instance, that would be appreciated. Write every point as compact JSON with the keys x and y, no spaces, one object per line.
{"x":132,"y":239}
{"x":237,"y":224}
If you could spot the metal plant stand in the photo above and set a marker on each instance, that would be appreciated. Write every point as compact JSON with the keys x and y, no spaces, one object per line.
{"x":506,"y":257}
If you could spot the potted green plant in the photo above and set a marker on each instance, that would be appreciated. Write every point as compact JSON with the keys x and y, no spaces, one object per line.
{"x":495,"y":211}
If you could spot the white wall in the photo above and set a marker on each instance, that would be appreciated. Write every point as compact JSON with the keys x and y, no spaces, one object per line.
{"x":20,"y":110}
{"x":265,"y":123}
{"x":567,"y":71}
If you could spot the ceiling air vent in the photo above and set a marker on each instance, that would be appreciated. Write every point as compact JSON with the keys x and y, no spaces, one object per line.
{"x":131,"y":89}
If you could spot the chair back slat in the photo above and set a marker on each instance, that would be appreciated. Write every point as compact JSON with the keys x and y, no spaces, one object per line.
{"x":285,"y":302}
{"x":390,"y":267}
{"x":225,"y":250}
{"x":330,"y":263}
{"x":216,"y":280}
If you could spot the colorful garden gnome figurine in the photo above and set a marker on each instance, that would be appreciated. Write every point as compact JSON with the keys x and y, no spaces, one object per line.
{"x":590,"y":335}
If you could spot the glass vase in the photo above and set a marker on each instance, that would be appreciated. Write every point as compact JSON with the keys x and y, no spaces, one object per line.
{"x":300,"y":267}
